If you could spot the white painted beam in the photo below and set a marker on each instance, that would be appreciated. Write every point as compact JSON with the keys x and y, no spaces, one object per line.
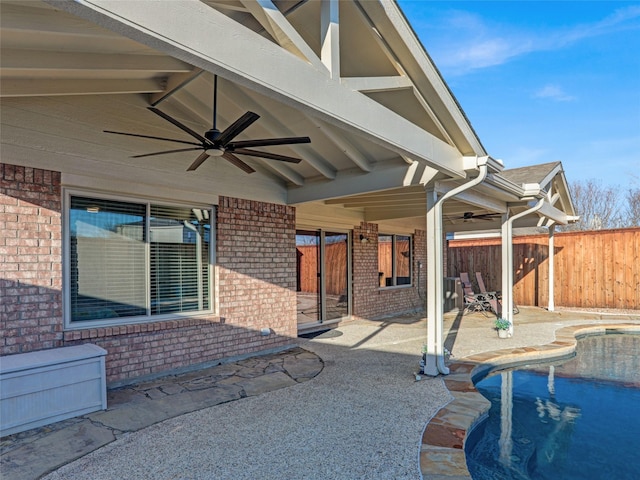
{"x":330,"y":37}
{"x":34,"y":60}
{"x":553,"y":213}
{"x":175,"y":82}
{"x":276,"y":128}
{"x":276,"y":25}
{"x":248,"y":59}
{"x":34,"y":87}
{"x":474,"y":197}
{"x":378,"y":200}
{"x":390,"y":213}
{"x":377,"y":84}
{"x":391,"y":12}
{"x":354,"y":182}
{"x":345,"y":145}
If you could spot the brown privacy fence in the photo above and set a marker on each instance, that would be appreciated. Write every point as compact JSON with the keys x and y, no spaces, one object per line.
{"x":336,"y":261}
{"x":335,"y":272}
{"x":599,"y":269}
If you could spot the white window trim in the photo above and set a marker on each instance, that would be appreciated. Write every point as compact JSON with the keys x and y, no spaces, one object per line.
{"x":66,"y":261}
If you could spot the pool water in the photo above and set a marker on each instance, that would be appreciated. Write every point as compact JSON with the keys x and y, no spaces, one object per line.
{"x":575,"y":420}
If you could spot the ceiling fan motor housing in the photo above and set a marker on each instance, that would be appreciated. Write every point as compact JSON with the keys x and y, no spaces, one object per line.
{"x":212,"y":135}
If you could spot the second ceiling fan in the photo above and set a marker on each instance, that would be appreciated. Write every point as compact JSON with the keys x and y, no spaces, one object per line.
{"x":216,"y":143}
{"x":478,"y":216}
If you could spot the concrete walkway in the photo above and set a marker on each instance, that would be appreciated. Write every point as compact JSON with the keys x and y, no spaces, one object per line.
{"x":344,"y":405}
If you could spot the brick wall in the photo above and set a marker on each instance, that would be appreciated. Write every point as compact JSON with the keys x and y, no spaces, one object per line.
{"x":255,"y":262}
{"x":371,"y":301}
{"x":256,"y":287}
{"x":256,"y":250}
{"x":30,"y":259}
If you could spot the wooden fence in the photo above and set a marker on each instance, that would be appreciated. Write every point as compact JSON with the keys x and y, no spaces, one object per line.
{"x":593,"y":269}
{"x":335,"y":273}
{"x":336,"y":265}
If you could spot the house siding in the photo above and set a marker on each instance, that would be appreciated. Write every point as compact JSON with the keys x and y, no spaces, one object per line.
{"x":255,"y":285}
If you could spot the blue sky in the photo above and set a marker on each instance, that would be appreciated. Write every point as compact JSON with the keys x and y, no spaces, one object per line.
{"x":542,"y":81}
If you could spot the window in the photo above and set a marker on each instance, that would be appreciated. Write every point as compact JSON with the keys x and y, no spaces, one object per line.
{"x":394,"y":260}
{"x":131,"y":260}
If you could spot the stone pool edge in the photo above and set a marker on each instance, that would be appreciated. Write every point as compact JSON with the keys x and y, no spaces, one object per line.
{"x":442,"y":454}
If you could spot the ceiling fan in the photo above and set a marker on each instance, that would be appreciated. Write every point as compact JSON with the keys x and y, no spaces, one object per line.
{"x":478,"y":216}
{"x":215,"y":143}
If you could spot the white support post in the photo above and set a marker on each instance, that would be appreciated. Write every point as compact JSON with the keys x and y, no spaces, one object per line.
{"x":507,"y":261}
{"x":552,"y":256}
{"x":434,"y":307}
{"x":435,"y":363}
{"x":507,"y":270}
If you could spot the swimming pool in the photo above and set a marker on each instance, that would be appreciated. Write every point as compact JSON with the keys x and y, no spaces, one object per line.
{"x":579,"y":419}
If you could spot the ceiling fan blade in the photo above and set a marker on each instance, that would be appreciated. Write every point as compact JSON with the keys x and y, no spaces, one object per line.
{"x":237,"y":162}
{"x":166,"y":152}
{"x":236,"y":128}
{"x":266,"y":142}
{"x":270,"y":156}
{"x":198,"y":161}
{"x":181,"y":126}
{"x":151,"y":137}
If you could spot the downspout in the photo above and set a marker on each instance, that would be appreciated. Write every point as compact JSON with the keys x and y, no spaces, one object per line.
{"x":507,"y":262}
{"x":434,"y":363}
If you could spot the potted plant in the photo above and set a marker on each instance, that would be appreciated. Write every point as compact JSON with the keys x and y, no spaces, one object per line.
{"x":502,"y":325}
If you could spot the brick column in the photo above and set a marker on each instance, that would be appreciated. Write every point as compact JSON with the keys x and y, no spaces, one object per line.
{"x":30,"y":259}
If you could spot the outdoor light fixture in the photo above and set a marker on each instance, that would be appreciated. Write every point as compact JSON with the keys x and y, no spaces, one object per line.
{"x":363,"y":239}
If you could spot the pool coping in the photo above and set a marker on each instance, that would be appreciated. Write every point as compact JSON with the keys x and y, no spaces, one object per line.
{"x":442,"y":454}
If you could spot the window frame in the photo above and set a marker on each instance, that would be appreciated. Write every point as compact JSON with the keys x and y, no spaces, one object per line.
{"x":394,"y":273}
{"x":149,"y":317}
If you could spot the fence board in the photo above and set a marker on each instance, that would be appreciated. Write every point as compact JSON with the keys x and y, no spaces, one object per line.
{"x":596,"y":269}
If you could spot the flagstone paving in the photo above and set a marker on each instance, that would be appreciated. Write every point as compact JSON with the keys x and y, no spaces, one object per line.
{"x":29,"y":455}
{"x":475,"y":351}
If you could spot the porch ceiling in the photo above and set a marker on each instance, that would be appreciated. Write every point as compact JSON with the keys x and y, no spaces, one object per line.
{"x":360,"y":87}
{"x":350,"y":75}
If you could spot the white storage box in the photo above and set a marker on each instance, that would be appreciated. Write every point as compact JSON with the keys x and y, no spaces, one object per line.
{"x":39,"y":388}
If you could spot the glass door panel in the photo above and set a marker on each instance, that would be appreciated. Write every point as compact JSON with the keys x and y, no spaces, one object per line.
{"x":336,"y":262}
{"x":308,"y":276}
{"x":322,"y":276}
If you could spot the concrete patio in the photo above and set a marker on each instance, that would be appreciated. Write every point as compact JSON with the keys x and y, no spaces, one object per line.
{"x":345,"y":404}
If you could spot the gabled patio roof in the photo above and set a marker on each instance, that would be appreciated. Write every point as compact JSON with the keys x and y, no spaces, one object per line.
{"x":350,"y":75}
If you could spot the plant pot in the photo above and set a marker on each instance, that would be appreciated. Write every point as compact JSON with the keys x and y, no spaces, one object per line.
{"x":503,"y":333}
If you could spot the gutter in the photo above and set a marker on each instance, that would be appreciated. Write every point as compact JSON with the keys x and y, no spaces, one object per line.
{"x":507,"y":272}
{"x":435,"y":363}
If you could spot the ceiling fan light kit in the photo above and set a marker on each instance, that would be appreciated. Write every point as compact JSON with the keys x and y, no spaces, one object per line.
{"x":215,"y":143}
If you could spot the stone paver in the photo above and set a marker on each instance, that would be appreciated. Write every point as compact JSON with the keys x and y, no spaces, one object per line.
{"x":29,"y":455}
{"x":475,"y":346}
{"x":49,"y":451}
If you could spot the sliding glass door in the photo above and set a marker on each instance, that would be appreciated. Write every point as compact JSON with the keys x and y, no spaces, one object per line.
{"x":323,"y":260}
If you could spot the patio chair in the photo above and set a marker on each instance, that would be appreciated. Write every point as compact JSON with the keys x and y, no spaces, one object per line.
{"x":474,"y":302}
{"x":496,"y":295}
